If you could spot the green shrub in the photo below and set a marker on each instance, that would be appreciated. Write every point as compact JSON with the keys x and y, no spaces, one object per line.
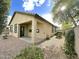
{"x":70,"y":44}
{"x":59,"y":35}
{"x":30,"y":53}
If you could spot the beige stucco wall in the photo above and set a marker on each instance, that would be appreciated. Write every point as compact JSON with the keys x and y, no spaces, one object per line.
{"x":76,"y":30}
{"x":45,"y":29}
{"x":19,"y":19}
{"x":13,"y":33}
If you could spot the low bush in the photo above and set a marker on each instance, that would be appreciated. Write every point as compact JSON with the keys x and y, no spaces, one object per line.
{"x":70,"y":44}
{"x":30,"y":53}
{"x":58,"y":35}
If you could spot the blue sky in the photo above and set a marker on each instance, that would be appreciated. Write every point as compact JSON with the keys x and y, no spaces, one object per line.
{"x":41,"y":7}
{"x":35,"y":6}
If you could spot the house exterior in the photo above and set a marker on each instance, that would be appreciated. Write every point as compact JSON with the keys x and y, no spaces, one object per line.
{"x":30,"y":25}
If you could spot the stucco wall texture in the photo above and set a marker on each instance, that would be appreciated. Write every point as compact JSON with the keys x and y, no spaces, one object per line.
{"x":45,"y":29}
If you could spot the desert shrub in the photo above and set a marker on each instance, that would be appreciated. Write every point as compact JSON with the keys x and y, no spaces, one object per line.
{"x":58,"y":35}
{"x":30,"y":53}
{"x":70,"y":44}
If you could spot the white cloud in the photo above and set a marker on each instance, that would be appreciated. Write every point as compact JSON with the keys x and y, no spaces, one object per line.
{"x":49,"y":2}
{"x":30,"y":4}
{"x":49,"y":17}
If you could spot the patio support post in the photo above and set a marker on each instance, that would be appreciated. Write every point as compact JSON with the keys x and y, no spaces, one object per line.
{"x":34,"y":27}
{"x":18,"y":30}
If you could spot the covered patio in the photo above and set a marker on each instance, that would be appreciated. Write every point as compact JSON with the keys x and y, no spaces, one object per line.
{"x":29,"y":31}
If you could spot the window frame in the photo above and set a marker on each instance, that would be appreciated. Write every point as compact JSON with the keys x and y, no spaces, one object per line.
{"x":15,"y":28}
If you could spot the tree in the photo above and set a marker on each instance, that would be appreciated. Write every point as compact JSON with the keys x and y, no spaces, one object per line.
{"x":70,"y":12}
{"x":4,"y":8}
{"x":66,"y":12}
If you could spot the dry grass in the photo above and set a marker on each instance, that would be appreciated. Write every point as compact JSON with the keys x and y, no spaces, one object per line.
{"x":54,"y":53}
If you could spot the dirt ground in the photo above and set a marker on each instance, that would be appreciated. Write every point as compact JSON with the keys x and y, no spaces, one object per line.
{"x":11,"y":47}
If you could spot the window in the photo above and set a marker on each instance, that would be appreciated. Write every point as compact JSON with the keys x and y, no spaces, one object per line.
{"x":15,"y":28}
{"x":11,"y":28}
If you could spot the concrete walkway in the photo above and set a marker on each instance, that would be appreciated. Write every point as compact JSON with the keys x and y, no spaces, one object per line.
{"x":10,"y":47}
